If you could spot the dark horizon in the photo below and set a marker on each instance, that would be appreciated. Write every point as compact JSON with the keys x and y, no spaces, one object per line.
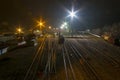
{"x":92,"y":14}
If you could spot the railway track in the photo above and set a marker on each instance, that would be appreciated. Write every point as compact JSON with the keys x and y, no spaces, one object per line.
{"x":32,"y":70}
{"x":70,"y":74}
{"x":50,"y":66}
{"x":74,"y":60}
{"x":86,"y":66}
{"x":107,"y":57}
{"x":74,"y":57}
{"x":26,"y":73}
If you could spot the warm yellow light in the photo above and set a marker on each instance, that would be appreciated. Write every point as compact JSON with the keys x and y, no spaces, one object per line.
{"x":106,"y":37}
{"x":19,"y":30}
{"x":49,"y":27}
{"x":41,"y":24}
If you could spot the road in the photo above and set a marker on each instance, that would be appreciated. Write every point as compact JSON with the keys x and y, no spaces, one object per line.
{"x":83,"y":58}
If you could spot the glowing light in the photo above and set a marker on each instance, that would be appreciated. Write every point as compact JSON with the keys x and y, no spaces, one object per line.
{"x":50,"y":27}
{"x":61,"y":27}
{"x":106,"y":37}
{"x":72,"y":13}
{"x":40,"y":23}
{"x":37,"y":31}
{"x":64,"y":25}
{"x":19,"y":30}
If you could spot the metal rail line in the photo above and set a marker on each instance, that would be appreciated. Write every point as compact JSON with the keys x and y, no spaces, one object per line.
{"x":65,"y":66}
{"x":50,"y":67}
{"x":107,"y":57}
{"x":70,"y":64}
{"x":34,"y":65}
{"x":87,"y":66}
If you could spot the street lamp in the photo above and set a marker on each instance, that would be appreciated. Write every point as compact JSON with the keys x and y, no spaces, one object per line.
{"x":49,"y":27}
{"x":19,"y":30}
{"x":40,"y":23}
{"x":72,"y":14}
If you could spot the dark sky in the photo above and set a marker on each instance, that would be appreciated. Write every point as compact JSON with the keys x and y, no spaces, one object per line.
{"x":92,"y":14}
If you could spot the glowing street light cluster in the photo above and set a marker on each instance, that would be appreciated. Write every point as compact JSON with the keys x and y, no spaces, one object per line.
{"x":72,"y":14}
{"x":64,"y":25}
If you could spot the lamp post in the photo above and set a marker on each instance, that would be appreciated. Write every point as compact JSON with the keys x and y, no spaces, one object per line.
{"x":72,"y":14}
{"x":40,"y":24}
{"x":19,"y":30}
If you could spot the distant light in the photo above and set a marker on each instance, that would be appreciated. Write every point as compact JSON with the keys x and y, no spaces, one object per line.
{"x":106,"y":37}
{"x":64,"y":25}
{"x":61,"y":27}
{"x":41,"y":24}
{"x":50,"y":27}
{"x":19,"y":30}
{"x":37,"y":31}
{"x":72,"y":14}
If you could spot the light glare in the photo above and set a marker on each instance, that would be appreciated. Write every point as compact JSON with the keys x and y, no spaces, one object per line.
{"x":72,"y":14}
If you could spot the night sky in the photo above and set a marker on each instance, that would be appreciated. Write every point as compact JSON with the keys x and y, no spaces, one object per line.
{"x":92,"y":14}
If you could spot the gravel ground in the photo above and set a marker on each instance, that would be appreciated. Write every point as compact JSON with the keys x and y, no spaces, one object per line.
{"x":15,"y":63}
